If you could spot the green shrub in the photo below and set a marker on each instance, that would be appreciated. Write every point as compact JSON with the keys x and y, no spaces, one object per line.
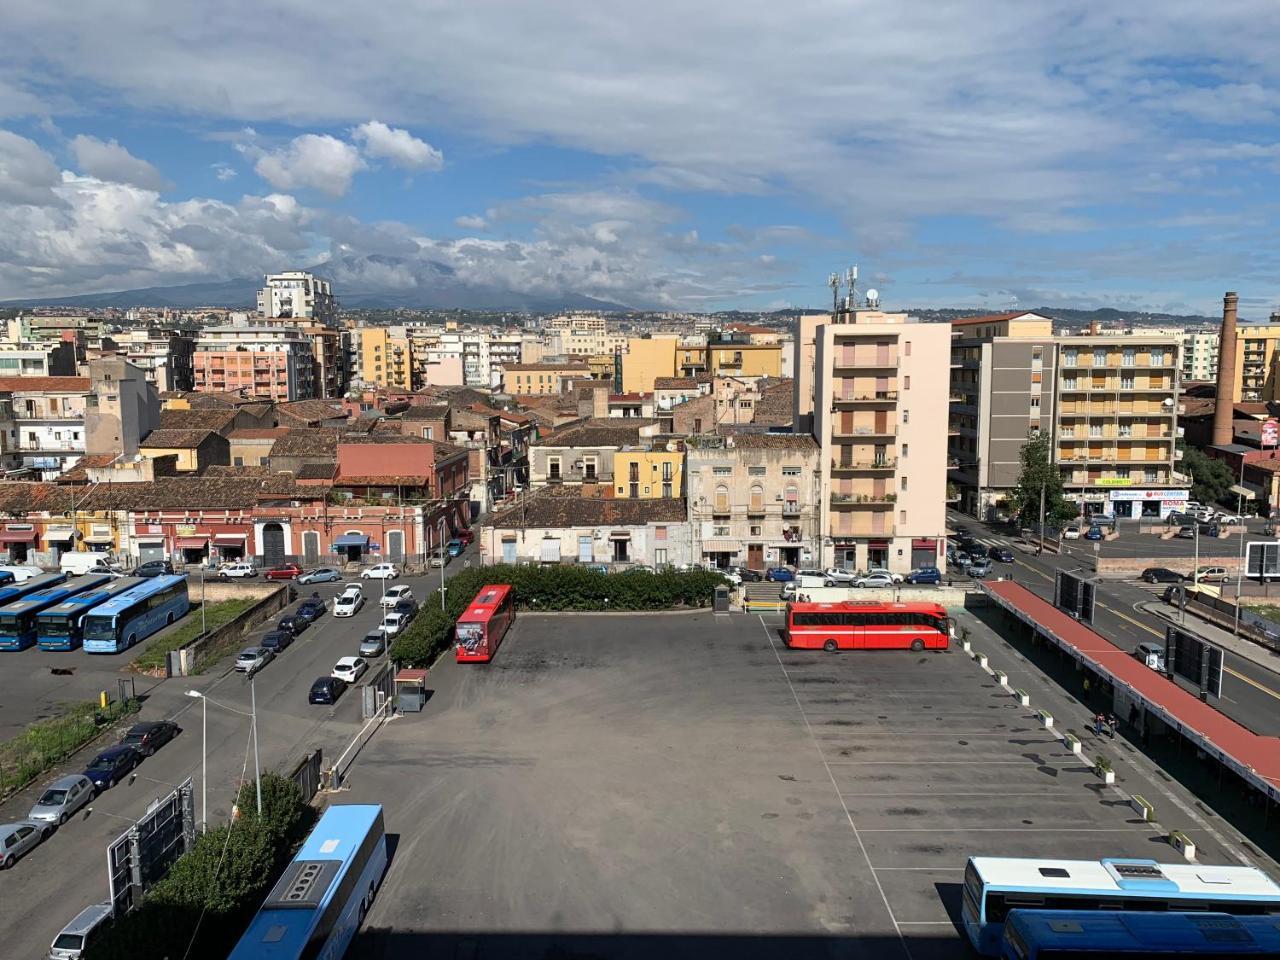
{"x":550,"y":588}
{"x":215,"y":615}
{"x":46,"y":743}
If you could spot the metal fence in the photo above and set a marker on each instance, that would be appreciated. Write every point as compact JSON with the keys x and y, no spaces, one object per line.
{"x":306,"y":775}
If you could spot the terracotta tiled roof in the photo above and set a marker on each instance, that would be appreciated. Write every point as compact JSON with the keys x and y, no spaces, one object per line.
{"x":317,"y":471}
{"x":387,"y":480}
{"x":205,"y":418}
{"x":174,"y":439}
{"x":557,"y":507}
{"x":307,"y":443}
{"x":775,"y":441}
{"x":224,"y":470}
{"x":44,"y":384}
{"x":259,"y":433}
{"x":675,"y":383}
{"x":308,"y":412}
{"x":597,"y":432}
{"x":435,"y":411}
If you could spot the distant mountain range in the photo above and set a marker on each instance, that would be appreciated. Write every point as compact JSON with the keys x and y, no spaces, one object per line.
{"x":1108,"y":316}
{"x":421,"y":284}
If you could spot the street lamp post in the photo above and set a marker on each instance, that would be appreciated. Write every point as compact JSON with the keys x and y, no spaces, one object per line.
{"x":442,"y":562}
{"x":204,"y":627}
{"x":257,"y":765}
{"x":204,"y":758}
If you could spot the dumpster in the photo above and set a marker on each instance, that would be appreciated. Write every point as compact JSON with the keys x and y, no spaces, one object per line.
{"x":721,"y":603}
{"x":411,"y":690}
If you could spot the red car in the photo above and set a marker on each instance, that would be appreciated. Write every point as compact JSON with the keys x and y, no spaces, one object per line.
{"x":288,"y":571}
{"x":466,"y":535}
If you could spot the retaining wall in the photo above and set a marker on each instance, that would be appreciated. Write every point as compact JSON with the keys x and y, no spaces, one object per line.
{"x":215,"y":644}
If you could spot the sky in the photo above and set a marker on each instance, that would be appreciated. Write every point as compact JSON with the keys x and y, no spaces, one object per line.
{"x":979,"y":153}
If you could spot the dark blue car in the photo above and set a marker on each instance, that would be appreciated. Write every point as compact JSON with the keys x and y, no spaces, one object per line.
{"x":925,"y":575}
{"x":779,"y":575}
{"x":111,"y":766}
{"x":1094,"y":533}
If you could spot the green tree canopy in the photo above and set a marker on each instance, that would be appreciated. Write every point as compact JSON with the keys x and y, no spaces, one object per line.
{"x":1040,"y":472}
{"x":1210,"y":479}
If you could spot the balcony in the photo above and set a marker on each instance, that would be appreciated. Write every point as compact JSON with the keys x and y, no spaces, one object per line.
{"x":875,"y":501}
{"x":866,"y":361}
{"x":887,"y":465}
{"x":861,"y":400}
{"x":791,"y":509}
{"x":887,"y":432}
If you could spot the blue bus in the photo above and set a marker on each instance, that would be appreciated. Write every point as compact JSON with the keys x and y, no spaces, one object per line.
{"x":59,"y":627}
{"x":18,"y":617}
{"x":318,"y":904}
{"x":135,"y":614}
{"x":10,"y":592}
{"x":993,"y":886}
{"x":1086,"y":934}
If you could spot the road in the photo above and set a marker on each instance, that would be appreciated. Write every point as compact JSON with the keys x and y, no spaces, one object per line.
{"x":1250,"y":690}
{"x":69,"y":871}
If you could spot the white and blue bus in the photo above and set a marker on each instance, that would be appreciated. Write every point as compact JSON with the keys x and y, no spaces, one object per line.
{"x":13,"y":590}
{"x":135,"y":614}
{"x":995,"y":885}
{"x":318,"y":905}
{"x":60,"y":626}
{"x":18,"y":617}
{"x":1142,"y":935}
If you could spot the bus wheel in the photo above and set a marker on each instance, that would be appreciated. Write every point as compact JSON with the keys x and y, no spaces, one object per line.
{"x":829,"y":646}
{"x":133,"y":638}
{"x":169,"y":619}
{"x":917,"y":645}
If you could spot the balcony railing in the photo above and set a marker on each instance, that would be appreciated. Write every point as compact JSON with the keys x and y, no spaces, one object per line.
{"x":790,"y":509}
{"x":866,"y":361}
{"x":889,"y":464}
{"x":862,"y":433}
{"x":879,"y":396}
{"x":863,"y":499}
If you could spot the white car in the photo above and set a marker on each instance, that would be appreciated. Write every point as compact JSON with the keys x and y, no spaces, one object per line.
{"x":882,"y":572}
{"x":349,"y":669}
{"x":1071,"y":533}
{"x":395,"y":594}
{"x":381,"y":571}
{"x":253,"y":659}
{"x":238,"y":570}
{"x":1230,"y":519}
{"x":393,"y":623}
{"x":350,"y":601}
{"x":838,"y":575}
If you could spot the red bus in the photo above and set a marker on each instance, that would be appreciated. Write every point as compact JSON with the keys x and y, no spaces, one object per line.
{"x":867,"y":625}
{"x":483,"y":624}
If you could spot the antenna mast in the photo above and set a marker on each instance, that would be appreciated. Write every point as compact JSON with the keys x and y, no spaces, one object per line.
{"x":851,"y":280}
{"x":833,"y":281}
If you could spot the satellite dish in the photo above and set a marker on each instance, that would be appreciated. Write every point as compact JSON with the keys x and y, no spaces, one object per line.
{"x":873,"y":297}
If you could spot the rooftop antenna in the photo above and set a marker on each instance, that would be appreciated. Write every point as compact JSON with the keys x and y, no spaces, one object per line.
{"x":1013,"y":302}
{"x":851,"y":281}
{"x":833,"y":281}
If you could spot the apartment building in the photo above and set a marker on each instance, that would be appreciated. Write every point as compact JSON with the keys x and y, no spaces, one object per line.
{"x":383,"y":357}
{"x":547,"y":378}
{"x":583,"y":337}
{"x":584,"y":451}
{"x":53,"y":358}
{"x":649,"y":472}
{"x":42,"y":423}
{"x":269,"y":362}
{"x":754,"y":499}
{"x":1199,"y":352}
{"x":879,"y":397}
{"x":164,"y":356}
{"x":298,"y":295}
{"x":1257,"y":352}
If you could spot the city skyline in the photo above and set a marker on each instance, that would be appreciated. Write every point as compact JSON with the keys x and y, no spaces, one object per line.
{"x":700,"y":159}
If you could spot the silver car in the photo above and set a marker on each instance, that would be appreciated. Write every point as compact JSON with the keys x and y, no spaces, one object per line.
{"x":81,"y":933}
{"x":17,"y":839}
{"x":62,"y":798}
{"x":253,"y":659}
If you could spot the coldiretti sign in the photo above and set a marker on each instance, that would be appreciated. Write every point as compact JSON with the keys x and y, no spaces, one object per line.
{"x":1114,"y":482}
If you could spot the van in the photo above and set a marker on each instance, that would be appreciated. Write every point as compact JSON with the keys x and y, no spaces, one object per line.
{"x":81,"y":933}
{"x":77,"y":564}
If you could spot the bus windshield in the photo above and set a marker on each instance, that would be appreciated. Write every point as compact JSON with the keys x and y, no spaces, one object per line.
{"x":55,"y":626}
{"x":99,"y":628}
{"x":10,"y":621}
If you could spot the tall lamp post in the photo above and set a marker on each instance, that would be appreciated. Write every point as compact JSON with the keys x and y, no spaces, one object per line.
{"x":204,"y":748}
{"x":440,"y":525}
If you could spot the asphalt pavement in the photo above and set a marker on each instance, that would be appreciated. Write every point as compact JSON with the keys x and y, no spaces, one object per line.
{"x":52,"y":883}
{"x":1250,"y":687}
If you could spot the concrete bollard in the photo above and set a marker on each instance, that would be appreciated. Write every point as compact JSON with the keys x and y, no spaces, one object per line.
{"x":1072,"y":742}
{"x":1023,"y":698}
{"x":1002,"y":678}
{"x":1143,"y":808}
{"x":966,"y":645}
{"x":1182,"y":843}
{"x":1046,"y":718}
{"x":982,"y":660}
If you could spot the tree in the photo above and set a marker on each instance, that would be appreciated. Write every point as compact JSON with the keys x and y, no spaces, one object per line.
{"x":1210,"y":479}
{"x":1040,"y":472}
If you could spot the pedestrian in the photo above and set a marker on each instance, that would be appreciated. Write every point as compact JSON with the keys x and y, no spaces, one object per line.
{"x":1112,"y":723}
{"x":1097,"y":724}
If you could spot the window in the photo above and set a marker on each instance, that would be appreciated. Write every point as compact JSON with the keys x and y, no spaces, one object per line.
{"x":1035,"y":402}
{"x":791,"y":471}
{"x":660,"y":557}
{"x":1126,"y":429}
{"x":553,"y":468}
{"x":238,"y":461}
{"x":589,"y":468}
{"x":659,"y":533}
{"x":1069,"y":383}
{"x":1095,"y":429}
{"x":757,"y":498}
{"x":904,"y":483}
{"x":1069,"y":357}
{"x":720,"y":531}
{"x":1150,"y":475}
{"x":906,"y":448}
{"x":906,"y":416}
{"x":1130,"y":357}
{"x":906,"y":383}
{"x":722,"y":471}
{"x":902,"y":516}
{"x":906,"y":347}
{"x":1126,"y":381}
{"x":755,"y":530}
{"x":722,"y":499}
{"x":1099,"y":357}
{"x":756,"y":471}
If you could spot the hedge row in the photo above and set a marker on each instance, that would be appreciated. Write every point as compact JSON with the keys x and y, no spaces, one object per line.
{"x":226,"y":890}
{"x":549,"y":588}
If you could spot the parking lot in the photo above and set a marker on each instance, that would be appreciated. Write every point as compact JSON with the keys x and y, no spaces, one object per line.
{"x":676,"y":784}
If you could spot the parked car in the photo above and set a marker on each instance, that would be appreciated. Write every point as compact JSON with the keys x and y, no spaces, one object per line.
{"x":62,"y":798}
{"x":1151,"y":653}
{"x":439,"y":558}
{"x":467,"y":535}
{"x":350,"y":602}
{"x":1216,"y":574}
{"x":81,"y":933}
{"x":292,"y":624}
{"x":1161,"y":575}
{"x":153,"y":568}
{"x":396,"y":594}
{"x":874,"y":580}
{"x":407,"y":608}
{"x":1200,"y":511}
{"x":596,"y":567}
{"x":1186,"y":533}
{"x":393,"y":624}
{"x":381,"y":571}
{"x":253,"y":659}
{"x":19,"y":839}
{"x":454,"y":547}
{"x":311,"y":609}
{"x":1001,"y":554}
{"x":1094,"y":533}
{"x":1231,"y":519}
{"x":779,"y":574}
{"x":349,"y":669}
{"x":748,"y":575}
{"x":374,"y":644}
{"x":876,"y":571}
{"x":321,"y":575}
{"x":111,"y":765}
{"x":1179,"y":518}
{"x":276,"y":640}
{"x":961,"y":559}
{"x":237,"y":571}
{"x":149,"y":737}
{"x":980,"y":568}
{"x":925,"y":575}
{"x":20,"y":573}
{"x":286,"y":571}
{"x":1210,"y":529}
{"x":1071,"y":532}
{"x":76,"y":563}
{"x":839,"y":576}
{"x":326,"y":690}
{"x":732,"y":576}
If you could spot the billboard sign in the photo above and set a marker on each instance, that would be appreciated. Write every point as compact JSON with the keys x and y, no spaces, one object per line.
{"x":1194,"y":659}
{"x":144,"y":853}
{"x":1074,"y":594}
{"x":1270,"y":432}
{"x":1262,"y":559}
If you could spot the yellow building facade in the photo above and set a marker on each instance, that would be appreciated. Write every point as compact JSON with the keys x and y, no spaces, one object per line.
{"x":744,"y":359}
{"x":648,"y":474}
{"x":383,"y":359}
{"x":646,"y":360}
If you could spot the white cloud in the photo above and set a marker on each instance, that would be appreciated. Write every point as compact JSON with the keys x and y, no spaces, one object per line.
{"x":317,"y":161}
{"x":472,"y":222}
{"x":27,"y":173}
{"x":107,"y":160}
{"x":224,"y":171}
{"x":402,"y":148}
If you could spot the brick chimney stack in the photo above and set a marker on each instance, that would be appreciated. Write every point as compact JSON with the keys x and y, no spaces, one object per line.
{"x":1224,"y":405}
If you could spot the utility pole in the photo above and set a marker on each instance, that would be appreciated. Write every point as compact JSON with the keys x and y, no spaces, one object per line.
{"x":1042,"y":486}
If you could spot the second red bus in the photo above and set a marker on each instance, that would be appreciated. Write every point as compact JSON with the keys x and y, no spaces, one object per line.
{"x":484,"y":623}
{"x":867,"y":625}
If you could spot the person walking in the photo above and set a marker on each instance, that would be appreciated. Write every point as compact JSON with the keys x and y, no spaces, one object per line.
{"x":1112,"y":722}
{"x":1097,"y":724}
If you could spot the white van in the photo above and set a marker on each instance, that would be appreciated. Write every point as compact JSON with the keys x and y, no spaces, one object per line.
{"x":21,"y":574}
{"x":81,"y":933}
{"x":77,"y":564}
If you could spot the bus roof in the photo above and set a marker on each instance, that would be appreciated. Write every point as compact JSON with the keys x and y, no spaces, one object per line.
{"x":148,"y":587}
{"x":91,"y":598}
{"x":867,"y":606}
{"x":1114,"y":876}
{"x":13,"y":591}
{"x":486,"y":602}
{"x":51,"y":595}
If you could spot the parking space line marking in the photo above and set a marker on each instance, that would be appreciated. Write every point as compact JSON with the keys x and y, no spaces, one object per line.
{"x":945,"y":796}
{"x":902,"y":941}
{"x":949,"y":869}
{"x":932,"y":763}
{"x":1003,"y":830}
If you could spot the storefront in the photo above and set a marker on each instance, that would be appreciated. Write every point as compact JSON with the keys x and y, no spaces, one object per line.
{"x":193,"y":550}
{"x":230,"y":546}
{"x":59,"y":540}
{"x":352,"y":546}
{"x":924,"y":553}
{"x":720,"y":553}
{"x":1147,"y":504}
{"x":19,"y":540}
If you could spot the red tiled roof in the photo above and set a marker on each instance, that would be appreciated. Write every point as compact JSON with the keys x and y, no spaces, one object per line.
{"x":997,"y":318}
{"x":1259,"y":753}
{"x":258,"y":433}
{"x":49,"y":384}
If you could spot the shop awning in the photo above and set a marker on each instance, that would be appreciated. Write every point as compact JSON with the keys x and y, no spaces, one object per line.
{"x":99,"y":538}
{"x":352,"y":540}
{"x":17,"y":536}
{"x":619,"y":534}
{"x":923,"y":544}
{"x":191,"y":543}
{"x":1250,"y":490}
{"x":58,"y":533}
{"x":719,"y":546}
{"x":878,"y":544}
{"x":230,"y":539}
